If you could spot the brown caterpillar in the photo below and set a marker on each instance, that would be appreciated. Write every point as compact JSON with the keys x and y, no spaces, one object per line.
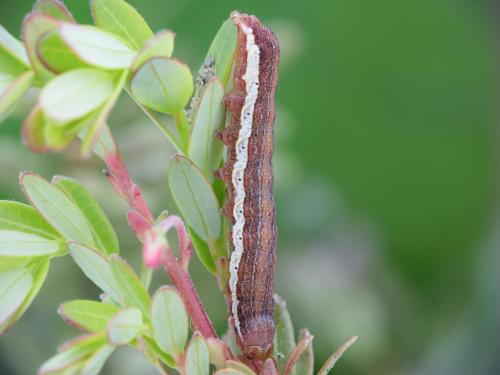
{"x":249,"y":179}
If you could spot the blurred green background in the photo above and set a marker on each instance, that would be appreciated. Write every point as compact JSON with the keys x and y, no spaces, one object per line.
{"x":386,"y":181}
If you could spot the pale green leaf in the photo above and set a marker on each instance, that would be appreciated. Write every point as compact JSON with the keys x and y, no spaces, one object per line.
{"x":57,"y":136}
{"x":21,"y":217}
{"x":104,"y":235}
{"x":205,"y":149}
{"x":284,"y":336}
{"x":203,"y":251}
{"x":161,"y":45}
{"x":194,"y":197}
{"x":229,"y":371}
{"x":11,"y":91}
{"x":33,"y":130}
{"x":124,"y":326}
{"x":9,"y":263}
{"x":170,"y":321}
{"x":155,"y":353}
{"x":56,"y":55}
{"x":35,"y":25}
{"x":20,"y":244}
{"x":120,"y":18}
{"x":197,"y":357}
{"x":54,"y":8}
{"x":88,"y":315}
{"x":130,"y":285}
{"x":15,"y":286}
{"x":222,"y":50}
{"x":163,"y":84}
{"x":57,"y":208}
{"x":96,"y":268}
{"x":39,"y":273}
{"x":97,"y":47}
{"x":95,"y":363}
{"x":76,"y":351}
{"x":13,"y":57}
{"x":74,"y":94}
{"x":241,"y":367}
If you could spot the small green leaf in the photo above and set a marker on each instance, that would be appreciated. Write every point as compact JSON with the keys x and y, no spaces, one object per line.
{"x":229,"y":371}
{"x":23,"y":218}
{"x":95,"y":363}
{"x":218,"y":352}
{"x":95,"y":267}
{"x":122,"y":19}
{"x":35,"y":25}
{"x":97,"y":47}
{"x":240,"y":367}
{"x":104,"y":235}
{"x":39,"y":273}
{"x":194,"y":197}
{"x":10,"y":263}
{"x":332,"y":360}
{"x":15,"y":286}
{"x":163,"y":84}
{"x":155,"y":353}
{"x":203,"y":252}
{"x":160,"y":45}
{"x":56,"y":55}
{"x":33,"y":130}
{"x":56,"y":208}
{"x":205,"y":150}
{"x":76,"y":351}
{"x":56,"y":136}
{"x":74,"y":94}
{"x":88,"y":315}
{"x":130,"y":285}
{"x":13,"y":57}
{"x":124,"y":326}
{"x":197,"y":358}
{"x":11,"y":91}
{"x":170,"y":321}
{"x":284,"y":337}
{"x":54,"y":8}
{"x":222,"y":50}
{"x":20,"y":244}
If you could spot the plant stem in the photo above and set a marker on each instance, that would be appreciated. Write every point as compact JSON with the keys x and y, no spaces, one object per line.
{"x":181,"y":279}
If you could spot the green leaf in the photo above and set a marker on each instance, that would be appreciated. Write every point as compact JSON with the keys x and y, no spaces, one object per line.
{"x":11,"y":91}
{"x":33,"y":130}
{"x":240,"y":367}
{"x":74,"y":94}
{"x":54,"y":8}
{"x":13,"y":57}
{"x":35,"y":25}
{"x":205,"y":150}
{"x":120,"y":18}
{"x":76,"y":351}
{"x":160,"y":45}
{"x":96,"y":268}
{"x":203,"y":252}
{"x":56,"y":208}
{"x":104,"y":235}
{"x":95,"y":363}
{"x":197,"y":358}
{"x":97,"y":47}
{"x":194,"y":197}
{"x":15,"y":286}
{"x":154,"y":353}
{"x":124,"y":326}
{"x":284,"y":337}
{"x":163,"y":84}
{"x":222,"y":49}
{"x":56,"y":136}
{"x":23,"y":218}
{"x":39,"y":273}
{"x":88,"y":315}
{"x":170,"y":321}
{"x":130,"y":285}
{"x":9,"y":263}
{"x":229,"y":371}
{"x":20,"y":244}
{"x":56,"y":55}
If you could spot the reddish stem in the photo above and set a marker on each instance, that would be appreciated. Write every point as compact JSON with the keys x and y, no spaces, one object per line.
{"x":181,"y":279}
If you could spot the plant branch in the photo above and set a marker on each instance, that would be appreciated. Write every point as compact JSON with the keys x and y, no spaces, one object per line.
{"x":330,"y":362}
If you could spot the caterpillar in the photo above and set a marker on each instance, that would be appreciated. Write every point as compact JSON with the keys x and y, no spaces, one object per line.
{"x":248,"y":175}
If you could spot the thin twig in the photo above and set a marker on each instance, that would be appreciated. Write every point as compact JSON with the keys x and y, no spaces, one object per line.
{"x":330,"y":362}
{"x":297,"y":352}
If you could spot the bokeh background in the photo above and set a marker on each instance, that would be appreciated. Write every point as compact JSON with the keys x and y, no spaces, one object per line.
{"x":386,"y":181}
